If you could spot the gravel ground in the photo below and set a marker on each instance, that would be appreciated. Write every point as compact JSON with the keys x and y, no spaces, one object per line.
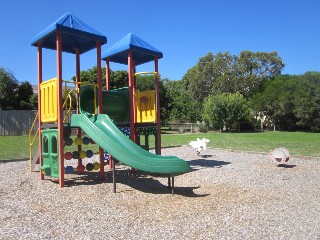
{"x":228,"y":195}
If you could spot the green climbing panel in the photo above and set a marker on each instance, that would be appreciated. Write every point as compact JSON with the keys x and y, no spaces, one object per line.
{"x":50,"y":165}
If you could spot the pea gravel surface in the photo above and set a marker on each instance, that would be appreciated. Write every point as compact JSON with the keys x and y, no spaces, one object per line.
{"x":227,"y":195}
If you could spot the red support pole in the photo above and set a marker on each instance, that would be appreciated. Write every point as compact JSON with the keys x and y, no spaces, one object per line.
{"x":39,"y":59}
{"x":77,"y":98}
{"x":134,"y":100}
{"x":158,"y":105}
{"x":100,"y":103}
{"x":99,"y":78}
{"x":131,"y":96}
{"x":108,"y":82}
{"x":60,"y":110}
{"x":108,"y":87}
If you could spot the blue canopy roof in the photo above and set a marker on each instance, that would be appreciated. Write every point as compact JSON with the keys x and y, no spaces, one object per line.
{"x":75,"y":35}
{"x":142,"y":51}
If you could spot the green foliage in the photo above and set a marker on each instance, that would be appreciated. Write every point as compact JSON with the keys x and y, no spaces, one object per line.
{"x":255,"y":68}
{"x":226,"y":73}
{"x":34,"y":101}
{"x":8,"y":87}
{"x":203,"y":128}
{"x":14,"y":95}
{"x":182,"y":106}
{"x":307,"y":101}
{"x":145,"y":83}
{"x":276,"y":100}
{"x":225,"y":109}
{"x":291,"y":102}
{"x":118,"y":79}
{"x":24,"y":93}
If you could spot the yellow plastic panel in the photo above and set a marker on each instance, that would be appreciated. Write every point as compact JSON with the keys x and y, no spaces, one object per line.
{"x":146,"y":106}
{"x":49,"y":95}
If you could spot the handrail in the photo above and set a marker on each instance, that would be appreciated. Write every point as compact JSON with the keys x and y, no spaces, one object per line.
{"x":82,"y":83}
{"x":95,"y":85}
{"x":140,"y":73}
{"x":65,"y":104}
{"x":31,"y":142}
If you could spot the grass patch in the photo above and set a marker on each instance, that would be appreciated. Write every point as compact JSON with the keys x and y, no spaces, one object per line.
{"x":298,"y":143}
{"x":14,"y":147}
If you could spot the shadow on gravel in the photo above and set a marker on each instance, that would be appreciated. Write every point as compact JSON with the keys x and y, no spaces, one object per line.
{"x":286,"y":165}
{"x":197,"y":164}
{"x":87,"y":178}
{"x":148,"y":184}
{"x":139,"y":181}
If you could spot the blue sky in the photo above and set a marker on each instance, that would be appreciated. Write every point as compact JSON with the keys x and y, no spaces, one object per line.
{"x":183,"y":30}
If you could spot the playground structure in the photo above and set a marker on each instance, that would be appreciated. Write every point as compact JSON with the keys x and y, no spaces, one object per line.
{"x":105,"y":116}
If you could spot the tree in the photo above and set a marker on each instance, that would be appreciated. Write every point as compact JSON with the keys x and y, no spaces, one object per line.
{"x":181,"y":105}
{"x":254,"y":68}
{"x":225,"y":110}
{"x":34,"y":101}
{"x":8,"y":87}
{"x":276,"y":101}
{"x":226,"y":73}
{"x":212,"y":75}
{"x":307,"y":101}
{"x":118,"y":79}
{"x":291,"y":101}
{"x":24,"y":93}
{"x":145,"y":83}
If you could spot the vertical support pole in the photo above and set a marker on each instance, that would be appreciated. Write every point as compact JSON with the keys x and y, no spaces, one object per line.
{"x":77,"y":98}
{"x":114,"y":175}
{"x":172,"y":185}
{"x":131,"y":96}
{"x":108,"y":87}
{"x":108,"y":81}
{"x":100,"y":104}
{"x":157,"y":80}
{"x":134,"y":100}
{"x":60,"y":110}
{"x":39,"y":59}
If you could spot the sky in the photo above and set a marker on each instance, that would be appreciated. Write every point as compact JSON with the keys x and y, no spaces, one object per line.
{"x":183,"y":30}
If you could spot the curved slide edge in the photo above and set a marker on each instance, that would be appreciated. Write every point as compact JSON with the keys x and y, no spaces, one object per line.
{"x":107,"y":135}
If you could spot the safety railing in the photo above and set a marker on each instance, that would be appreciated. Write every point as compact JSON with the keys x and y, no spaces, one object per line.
{"x":32,"y":139}
{"x":147,"y":73}
{"x":68,"y":107}
{"x":95,"y":85}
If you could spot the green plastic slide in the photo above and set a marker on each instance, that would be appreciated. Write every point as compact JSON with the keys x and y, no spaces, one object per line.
{"x":107,"y":135}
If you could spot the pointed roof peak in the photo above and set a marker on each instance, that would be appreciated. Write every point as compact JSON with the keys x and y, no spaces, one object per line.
{"x":76,"y":35}
{"x":143,"y":52}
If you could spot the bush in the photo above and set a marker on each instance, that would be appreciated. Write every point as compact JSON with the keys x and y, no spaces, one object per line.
{"x":203,"y":128}
{"x":181,"y":130}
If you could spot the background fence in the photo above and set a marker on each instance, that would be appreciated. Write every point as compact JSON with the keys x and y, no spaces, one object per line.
{"x":16,"y":122}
